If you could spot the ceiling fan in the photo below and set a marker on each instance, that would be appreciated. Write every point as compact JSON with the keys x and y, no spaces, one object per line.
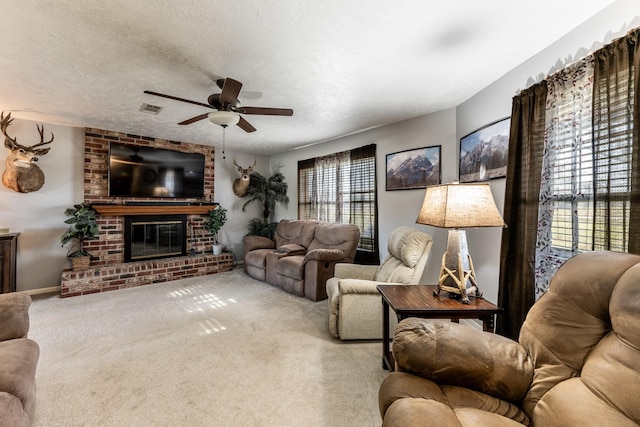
{"x":226,"y":106}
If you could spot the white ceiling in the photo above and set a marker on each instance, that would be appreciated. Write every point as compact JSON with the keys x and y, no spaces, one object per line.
{"x":342,"y":66}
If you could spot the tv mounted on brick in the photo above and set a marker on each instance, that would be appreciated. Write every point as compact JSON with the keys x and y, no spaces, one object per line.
{"x":138,"y":171}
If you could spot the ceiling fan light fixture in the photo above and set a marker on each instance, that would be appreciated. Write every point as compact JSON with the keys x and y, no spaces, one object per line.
{"x":224,"y":118}
{"x":226,"y":107}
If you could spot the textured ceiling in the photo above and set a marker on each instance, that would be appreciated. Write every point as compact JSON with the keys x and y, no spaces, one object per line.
{"x":342,"y":66}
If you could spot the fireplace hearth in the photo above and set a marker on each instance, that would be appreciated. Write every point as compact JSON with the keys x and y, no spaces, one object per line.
{"x":154,"y":236}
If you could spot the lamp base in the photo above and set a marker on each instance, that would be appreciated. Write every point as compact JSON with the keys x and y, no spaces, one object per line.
{"x":454,"y":277}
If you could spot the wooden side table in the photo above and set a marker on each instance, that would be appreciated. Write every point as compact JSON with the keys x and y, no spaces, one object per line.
{"x":419,"y":301}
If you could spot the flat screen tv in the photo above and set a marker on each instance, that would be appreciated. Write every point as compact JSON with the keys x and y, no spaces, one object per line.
{"x":138,"y":171}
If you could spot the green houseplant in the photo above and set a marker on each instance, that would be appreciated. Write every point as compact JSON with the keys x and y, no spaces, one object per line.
{"x":217,"y":218}
{"x":82,"y":226}
{"x":268,"y":192}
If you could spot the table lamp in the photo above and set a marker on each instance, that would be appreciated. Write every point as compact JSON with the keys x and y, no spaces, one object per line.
{"x":456,"y":206}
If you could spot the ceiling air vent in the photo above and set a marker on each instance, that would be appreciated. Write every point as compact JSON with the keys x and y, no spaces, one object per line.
{"x":151,"y":109}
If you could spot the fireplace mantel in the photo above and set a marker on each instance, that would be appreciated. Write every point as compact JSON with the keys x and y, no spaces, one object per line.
{"x":125,"y":210}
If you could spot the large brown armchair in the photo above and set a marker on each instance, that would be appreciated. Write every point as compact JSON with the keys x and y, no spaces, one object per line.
{"x":577,"y":362}
{"x":18,"y":359}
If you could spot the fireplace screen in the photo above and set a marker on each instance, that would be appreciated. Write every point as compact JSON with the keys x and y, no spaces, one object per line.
{"x":154,"y":237}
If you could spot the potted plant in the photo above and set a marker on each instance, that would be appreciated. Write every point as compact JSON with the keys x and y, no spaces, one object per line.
{"x":82,"y":227}
{"x":217,"y":218}
{"x":268,"y":192}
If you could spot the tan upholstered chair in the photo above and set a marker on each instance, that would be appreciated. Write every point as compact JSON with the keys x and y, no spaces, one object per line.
{"x":577,"y":362}
{"x":355,"y":305}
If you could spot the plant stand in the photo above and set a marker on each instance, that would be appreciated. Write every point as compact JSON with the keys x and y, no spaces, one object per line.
{"x":80,"y":263}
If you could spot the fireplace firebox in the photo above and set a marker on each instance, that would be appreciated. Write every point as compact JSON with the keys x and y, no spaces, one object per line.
{"x":154,"y":236}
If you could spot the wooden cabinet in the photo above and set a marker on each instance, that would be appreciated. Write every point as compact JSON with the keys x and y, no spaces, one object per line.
{"x":8,"y":250}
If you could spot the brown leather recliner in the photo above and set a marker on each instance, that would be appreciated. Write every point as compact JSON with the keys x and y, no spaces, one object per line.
{"x":261,"y":253}
{"x":577,"y":362}
{"x":302,"y":255}
{"x":18,"y":359}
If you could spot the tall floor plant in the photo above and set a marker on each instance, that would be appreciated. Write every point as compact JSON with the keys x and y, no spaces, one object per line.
{"x":268,"y":192}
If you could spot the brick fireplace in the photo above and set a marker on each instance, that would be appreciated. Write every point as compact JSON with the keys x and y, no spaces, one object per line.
{"x":154,"y":236}
{"x":109,"y":271}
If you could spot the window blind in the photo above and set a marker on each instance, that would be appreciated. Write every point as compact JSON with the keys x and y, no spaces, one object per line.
{"x":341,"y":187}
{"x":590,"y":179}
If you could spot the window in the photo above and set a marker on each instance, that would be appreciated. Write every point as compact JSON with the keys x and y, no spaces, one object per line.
{"x":584,"y":167}
{"x":565,"y":210}
{"x":341,"y":188}
{"x":586,"y":184}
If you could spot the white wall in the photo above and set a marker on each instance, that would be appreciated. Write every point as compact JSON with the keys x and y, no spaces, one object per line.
{"x":39,"y":216}
{"x":399,"y":207}
{"x":494,"y":102}
{"x":447,"y":127}
{"x":237,"y":221}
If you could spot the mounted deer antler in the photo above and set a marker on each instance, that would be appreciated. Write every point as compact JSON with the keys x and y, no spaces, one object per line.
{"x":21,"y":173}
{"x":241,"y":185}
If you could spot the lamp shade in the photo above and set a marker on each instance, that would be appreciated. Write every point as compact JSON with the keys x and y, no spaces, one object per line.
{"x":224,"y":118}
{"x":457,"y":205}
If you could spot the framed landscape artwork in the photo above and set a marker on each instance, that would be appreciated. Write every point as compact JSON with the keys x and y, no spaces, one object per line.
{"x":411,"y":169}
{"x":483,"y":153}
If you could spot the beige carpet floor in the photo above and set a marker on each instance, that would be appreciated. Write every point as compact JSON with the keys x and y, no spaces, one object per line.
{"x":220,"y":350}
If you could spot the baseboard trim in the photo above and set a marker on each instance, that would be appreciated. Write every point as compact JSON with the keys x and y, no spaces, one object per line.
{"x":39,"y":291}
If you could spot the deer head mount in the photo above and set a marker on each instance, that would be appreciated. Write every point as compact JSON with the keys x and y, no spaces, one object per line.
{"x":241,"y":185}
{"x":21,"y":173}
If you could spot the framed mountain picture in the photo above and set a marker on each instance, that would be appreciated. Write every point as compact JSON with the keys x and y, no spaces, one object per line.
{"x":483,"y":153}
{"x":411,"y":169}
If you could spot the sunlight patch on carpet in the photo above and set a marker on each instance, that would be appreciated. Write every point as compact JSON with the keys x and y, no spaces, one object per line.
{"x":211,"y":326}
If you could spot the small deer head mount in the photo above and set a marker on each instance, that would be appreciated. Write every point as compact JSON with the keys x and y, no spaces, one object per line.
{"x":241,"y":185}
{"x":21,"y":173}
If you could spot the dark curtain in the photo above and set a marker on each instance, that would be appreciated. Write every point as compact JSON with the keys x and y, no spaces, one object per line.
{"x":616,"y":146}
{"x":616,"y":186}
{"x":517,"y":255}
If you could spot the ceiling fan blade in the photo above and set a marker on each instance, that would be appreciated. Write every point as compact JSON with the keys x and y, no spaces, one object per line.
{"x":245,"y":125}
{"x":266,"y":111}
{"x":194,"y":119}
{"x":178,"y":99}
{"x":230,"y":91}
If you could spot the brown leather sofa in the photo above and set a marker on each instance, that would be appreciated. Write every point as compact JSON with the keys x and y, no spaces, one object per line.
{"x":301,"y":256}
{"x":577,"y":362}
{"x":18,"y":359}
